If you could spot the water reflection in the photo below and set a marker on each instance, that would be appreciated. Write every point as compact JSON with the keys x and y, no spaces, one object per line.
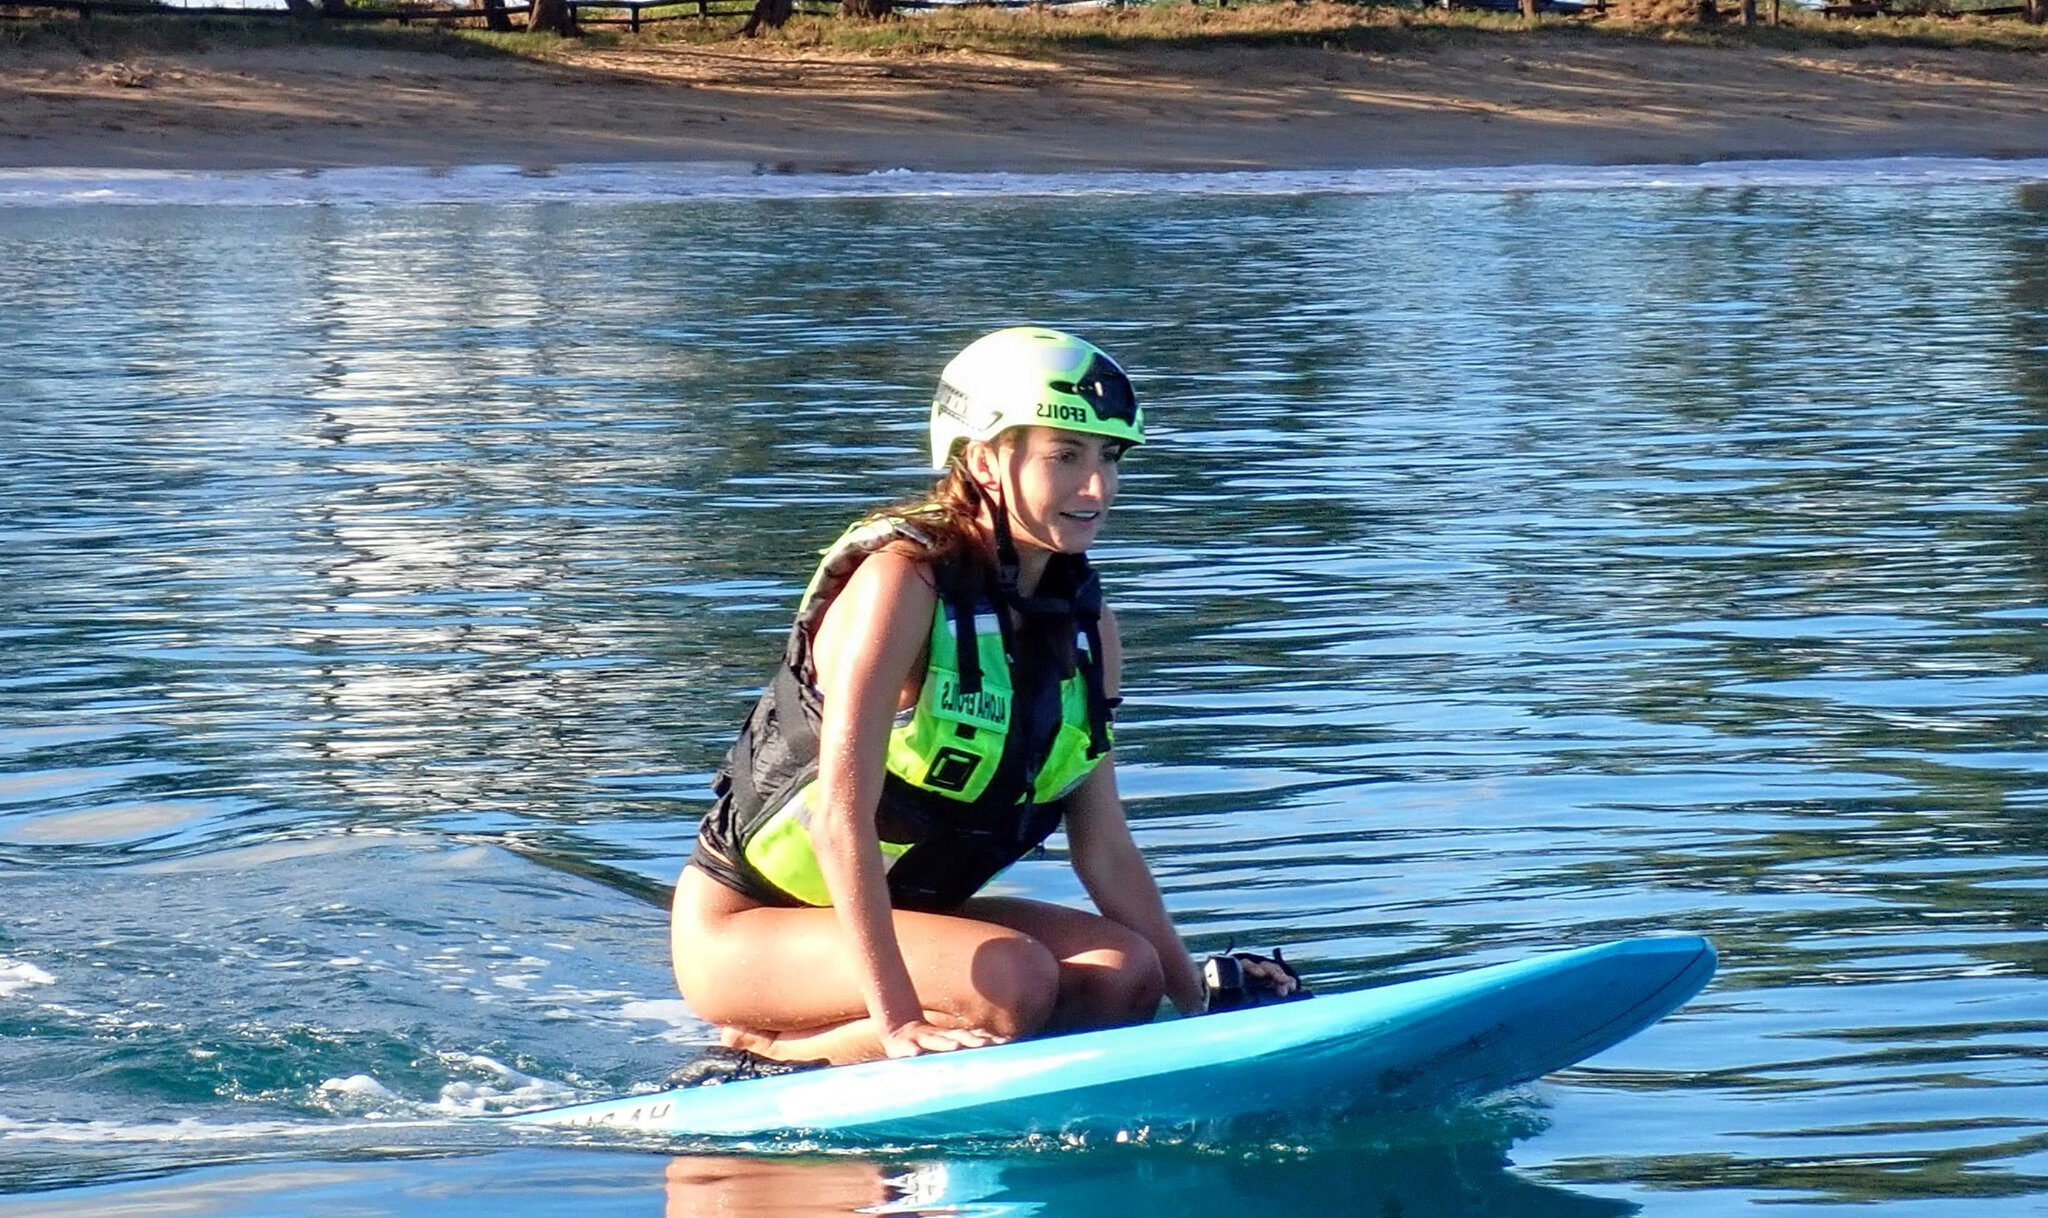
{"x":1438,"y":1181}
{"x":1511,"y":570}
{"x":763,"y":1187}
{"x":1470,"y":1178}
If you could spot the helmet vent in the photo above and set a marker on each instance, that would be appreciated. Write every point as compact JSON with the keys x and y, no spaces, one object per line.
{"x":951,"y":402}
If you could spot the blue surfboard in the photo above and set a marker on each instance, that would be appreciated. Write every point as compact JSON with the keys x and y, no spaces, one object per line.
{"x":1412,"y":1045}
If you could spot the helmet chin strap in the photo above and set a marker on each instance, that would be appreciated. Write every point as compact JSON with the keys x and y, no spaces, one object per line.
{"x":1009,"y":565}
{"x":1083,"y":608}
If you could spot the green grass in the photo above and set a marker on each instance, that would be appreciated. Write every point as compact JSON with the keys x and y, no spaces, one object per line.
{"x":1043,"y":33}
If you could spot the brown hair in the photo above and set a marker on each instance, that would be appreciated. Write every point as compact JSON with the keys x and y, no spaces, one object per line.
{"x":949,"y":516}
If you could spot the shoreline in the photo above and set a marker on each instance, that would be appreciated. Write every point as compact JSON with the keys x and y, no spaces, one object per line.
{"x":1484,"y":102}
{"x":656,"y":182}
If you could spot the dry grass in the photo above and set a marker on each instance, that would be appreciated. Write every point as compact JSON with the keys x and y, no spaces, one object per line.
{"x":1047,"y":32}
{"x":1351,"y":27}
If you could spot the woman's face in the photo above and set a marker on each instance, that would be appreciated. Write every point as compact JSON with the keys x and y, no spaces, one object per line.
{"x":1059,"y":485}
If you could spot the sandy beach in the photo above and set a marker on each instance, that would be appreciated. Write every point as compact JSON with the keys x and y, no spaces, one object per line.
{"x":1480,"y":101}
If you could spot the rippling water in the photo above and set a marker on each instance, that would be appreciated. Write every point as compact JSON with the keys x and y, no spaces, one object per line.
{"x":379,"y":586}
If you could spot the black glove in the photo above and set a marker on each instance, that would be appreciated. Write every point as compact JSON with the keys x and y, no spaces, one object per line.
{"x":1231,"y":985}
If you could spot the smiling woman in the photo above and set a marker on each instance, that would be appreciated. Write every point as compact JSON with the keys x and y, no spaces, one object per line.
{"x":943,"y":705}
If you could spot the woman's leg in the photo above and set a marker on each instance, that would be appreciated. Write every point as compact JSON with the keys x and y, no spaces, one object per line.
{"x":779,"y":982}
{"x":1108,"y":973}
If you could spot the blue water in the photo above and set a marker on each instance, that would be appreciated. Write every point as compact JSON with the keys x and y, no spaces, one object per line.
{"x":1515,"y":567}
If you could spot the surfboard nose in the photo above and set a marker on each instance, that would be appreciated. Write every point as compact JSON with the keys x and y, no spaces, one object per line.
{"x":1542,"y":1015}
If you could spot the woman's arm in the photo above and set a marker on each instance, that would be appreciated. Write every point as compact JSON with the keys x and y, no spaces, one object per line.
{"x":874,"y":637}
{"x":1107,"y":859}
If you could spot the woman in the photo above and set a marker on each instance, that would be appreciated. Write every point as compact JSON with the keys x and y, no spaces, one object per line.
{"x":943,"y":704}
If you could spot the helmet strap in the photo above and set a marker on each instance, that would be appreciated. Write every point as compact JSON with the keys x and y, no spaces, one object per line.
{"x":1008,"y":565}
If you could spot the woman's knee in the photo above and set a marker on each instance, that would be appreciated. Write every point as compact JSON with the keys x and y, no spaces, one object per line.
{"x":1144,"y":980}
{"x":1016,"y":982}
{"x":1123,"y":983}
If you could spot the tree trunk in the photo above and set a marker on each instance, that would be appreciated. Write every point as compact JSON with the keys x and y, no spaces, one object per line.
{"x":551,"y":17}
{"x":771,"y":13}
{"x":1528,"y":10}
{"x":495,"y":16}
{"x":868,"y":9}
{"x":2037,"y":11}
{"x":1749,"y":12}
{"x":1710,"y":13}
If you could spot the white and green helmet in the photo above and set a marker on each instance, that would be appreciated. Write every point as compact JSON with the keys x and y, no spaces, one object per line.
{"x":1031,"y":376}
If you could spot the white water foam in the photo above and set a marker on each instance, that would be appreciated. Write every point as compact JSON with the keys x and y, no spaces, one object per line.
{"x":16,"y":976}
{"x":182,"y":1130}
{"x":358,"y":1087}
{"x":642,"y":183}
{"x":683,"y":1027}
{"x":510,"y":1090}
{"x":671,"y":1011}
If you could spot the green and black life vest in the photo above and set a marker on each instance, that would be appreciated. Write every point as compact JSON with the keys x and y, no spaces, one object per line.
{"x":1009,"y":720}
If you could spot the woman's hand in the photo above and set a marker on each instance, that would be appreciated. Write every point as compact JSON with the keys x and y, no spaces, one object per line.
{"x":1279,"y":980}
{"x":917,"y":1037}
{"x":1236,"y":980}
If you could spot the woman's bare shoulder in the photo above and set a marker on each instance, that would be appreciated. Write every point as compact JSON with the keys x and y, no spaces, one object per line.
{"x":894,"y":587}
{"x":906,"y":556}
{"x":876,"y":629}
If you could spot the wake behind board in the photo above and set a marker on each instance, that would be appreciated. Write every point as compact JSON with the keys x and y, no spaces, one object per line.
{"x":1412,"y":1045}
